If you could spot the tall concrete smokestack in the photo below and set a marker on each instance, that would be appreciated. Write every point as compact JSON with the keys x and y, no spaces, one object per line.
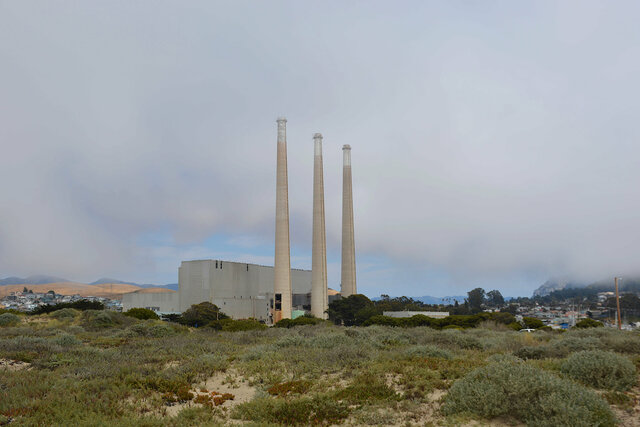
{"x":319,"y":239}
{"x":348,"y":286}
{"x":282,"y":262}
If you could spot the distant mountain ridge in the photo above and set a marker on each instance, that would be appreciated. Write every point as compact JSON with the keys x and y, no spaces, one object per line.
{"x":631,"y":284}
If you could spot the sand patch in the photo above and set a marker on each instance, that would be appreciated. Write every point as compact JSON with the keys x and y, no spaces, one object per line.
{"x":13,"y":365}
{"x":220,"y":384}
{"x":629,"y":416}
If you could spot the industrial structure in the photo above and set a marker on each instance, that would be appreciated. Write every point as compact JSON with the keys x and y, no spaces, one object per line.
{"x":282,"y":261}
{"x":267,"y":293}
{"x":348,"y":284}
{"x":241,"y":290}
{"x":319,"y":239}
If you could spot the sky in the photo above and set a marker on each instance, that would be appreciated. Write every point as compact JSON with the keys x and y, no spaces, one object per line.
{"x":494,"y":144}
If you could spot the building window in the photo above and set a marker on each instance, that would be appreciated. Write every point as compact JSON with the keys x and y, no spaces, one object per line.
{"x":216,"y":264}
{"x":220,"y":265}
{"x":247,"y":267}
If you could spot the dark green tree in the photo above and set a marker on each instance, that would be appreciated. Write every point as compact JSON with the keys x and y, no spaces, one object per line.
{"x":351,"y":311}
{"x":511,"y":308}
{"x":588,"y":323}
{"x":475,"y":299}
{"x":141,"y":313}
{"x":201,"y":314}
{"x":532,"y":322}
{"x":495,"y":299}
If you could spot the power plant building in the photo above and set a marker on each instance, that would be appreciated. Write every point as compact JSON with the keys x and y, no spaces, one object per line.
{"x":241,"y":290}
{"x":265,"y":293}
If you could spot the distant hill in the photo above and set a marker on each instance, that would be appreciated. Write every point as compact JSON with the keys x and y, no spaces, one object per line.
{"x":119,"y":286}
{"x":107,"y":280}
{"x":631,"y":284}
{"x":114,"y":291}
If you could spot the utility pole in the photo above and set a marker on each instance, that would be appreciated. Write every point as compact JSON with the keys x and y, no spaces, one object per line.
{"x":618,"y":303}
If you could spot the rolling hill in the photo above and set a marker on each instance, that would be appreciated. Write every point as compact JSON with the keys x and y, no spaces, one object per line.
{"x":65,"y":287}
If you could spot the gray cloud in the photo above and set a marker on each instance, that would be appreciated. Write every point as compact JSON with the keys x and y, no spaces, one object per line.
{"x":492,"y":143}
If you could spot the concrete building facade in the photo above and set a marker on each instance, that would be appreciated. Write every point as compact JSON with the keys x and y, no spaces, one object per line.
{"x":241,"y":290}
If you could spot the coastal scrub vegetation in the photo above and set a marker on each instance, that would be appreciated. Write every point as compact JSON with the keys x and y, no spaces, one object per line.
{"x":97,"y":367}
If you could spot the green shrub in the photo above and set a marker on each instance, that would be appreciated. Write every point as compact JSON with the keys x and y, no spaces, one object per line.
{"x":529,"y":394}
{"x":529,"y":352}
{"x":242,"y":325}
{"x":601,"y":369}
{"x":201,"y":314}
{"x":66,"y":340}
{"x":102,"y":319}
{"x":503,"y":358}
{"x":589,"y":323}
{"x":82,"y":305}
{"x":289,"y":387}
{"x":319,"y":410}
{"x":366,"y":388}
{"x":141,"y":313}
{"x":298,"y":321}
{"x":64,"y":314}
{"x":532,"y":322}
{"x":9,"y":319}
{"x":152,"y":329}
{"x":423,"y":351}
{"x":515,"y":326}
{"x":382,"y":320}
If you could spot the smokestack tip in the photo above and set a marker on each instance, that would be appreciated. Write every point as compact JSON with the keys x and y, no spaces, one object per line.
{"x":346,"y":147}
{"x":281,"y":119}
{"x":317,"y":136}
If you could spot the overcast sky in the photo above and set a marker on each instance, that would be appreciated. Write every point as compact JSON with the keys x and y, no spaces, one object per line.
{"x":495,"y":143}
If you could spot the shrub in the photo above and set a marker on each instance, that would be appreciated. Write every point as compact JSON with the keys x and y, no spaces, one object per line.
{"x":528,"y":352}
{"x":152,"y":329}
{"x":589,"y":323}
{"x":601,"y":369}
{"x":9,"y":319}
{"x":242,"y":325}
{"x":299,"y":321}
{"x":289,"y":387}
{"x":201,"y":314}
{"x":532,"y":322}
{"x":141,"y":313}
{"x":422,"y":351}
{"x":515,"y":326}
{"x":529,"y":394}
{"x":319,"y":410}
{"x":365,"y":389}
{"x":64,"y":314}
{"x":82,"y":305}
{"x":95,"y":320}
{"x":66,"y":340}
{"x":382,"y":320}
